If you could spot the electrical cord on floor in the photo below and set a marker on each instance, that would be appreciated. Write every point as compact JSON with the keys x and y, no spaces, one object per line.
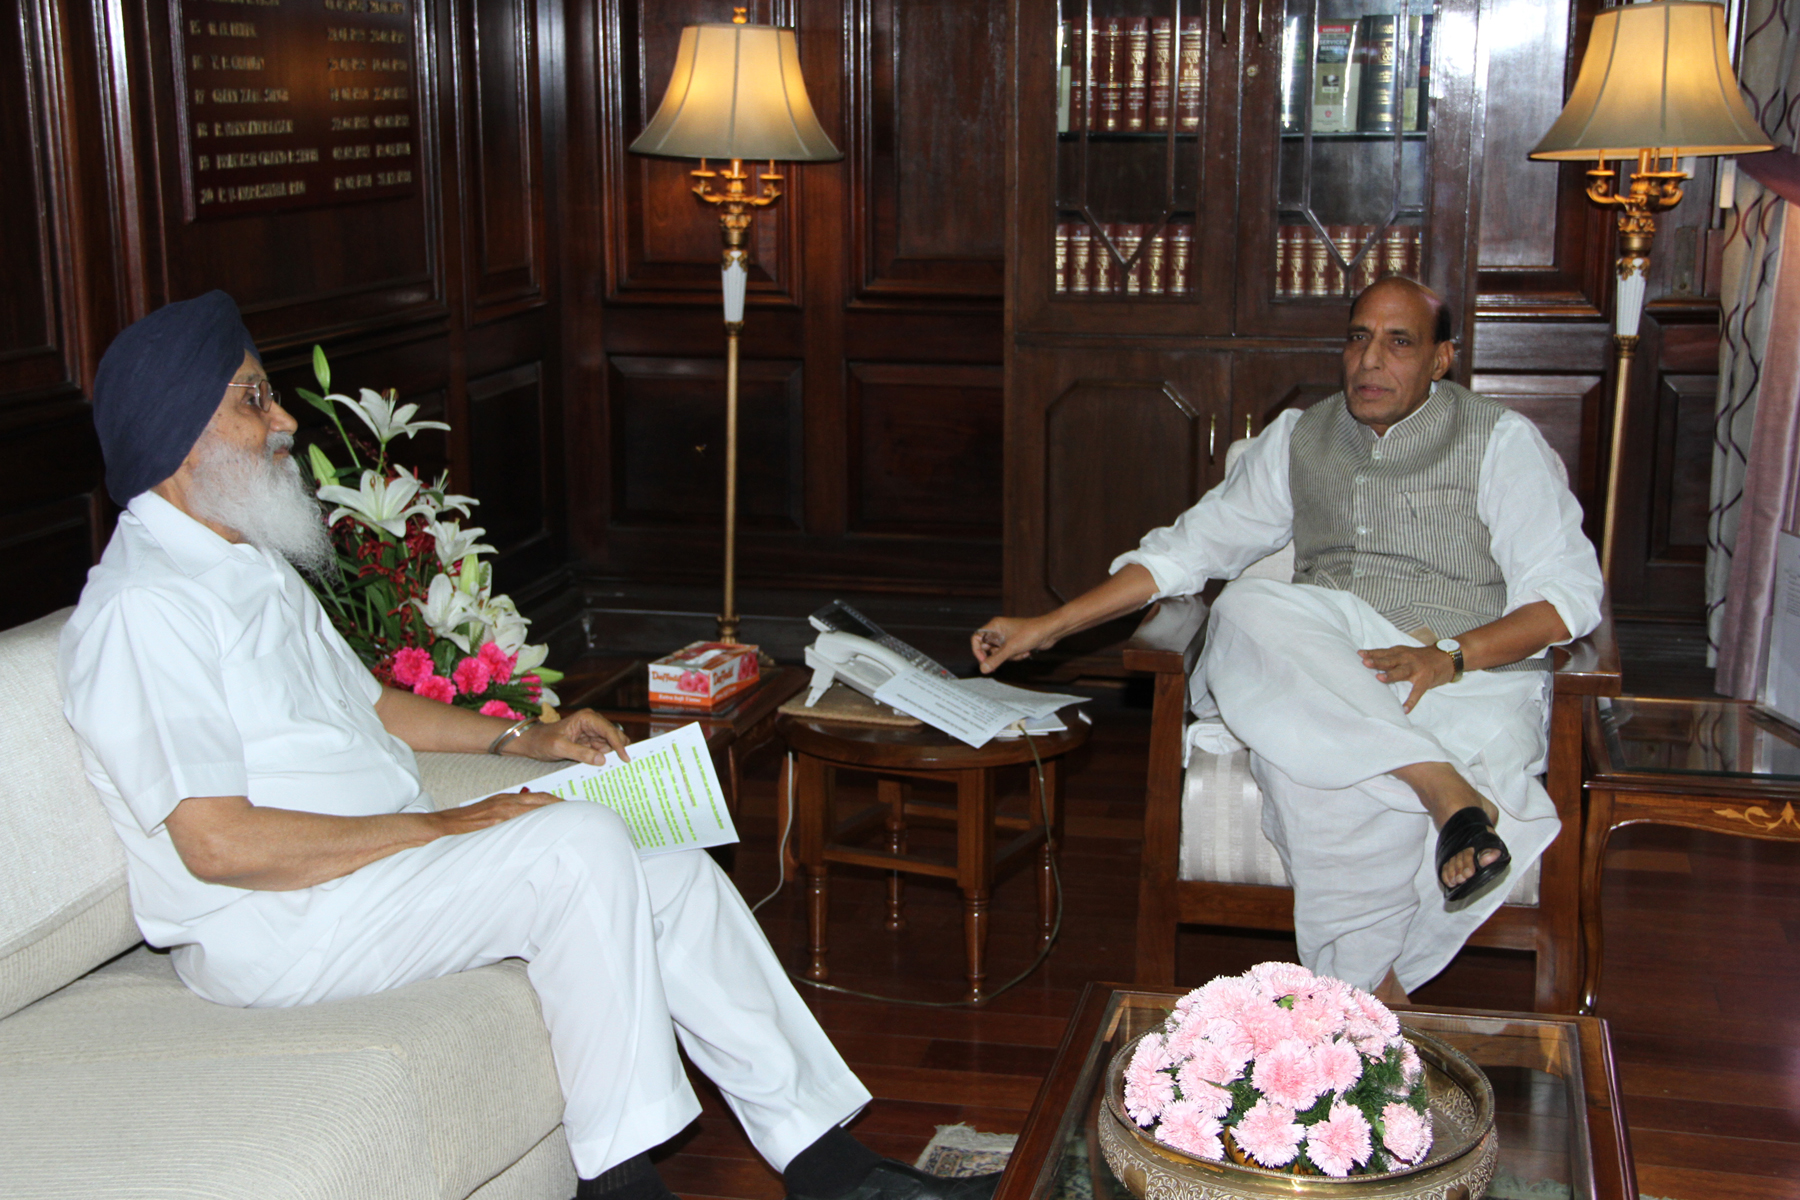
{"x":1021,"y":977}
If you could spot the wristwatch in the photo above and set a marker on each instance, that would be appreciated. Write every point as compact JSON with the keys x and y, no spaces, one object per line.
{"x":1453,"y":648}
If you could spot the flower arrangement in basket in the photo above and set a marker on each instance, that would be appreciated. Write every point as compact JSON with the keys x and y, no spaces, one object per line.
{"x":1283,"y":1069}
{"x":412,"y":596}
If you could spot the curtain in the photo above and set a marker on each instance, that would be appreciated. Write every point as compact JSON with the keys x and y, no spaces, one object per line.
{"x":1755,"y":461}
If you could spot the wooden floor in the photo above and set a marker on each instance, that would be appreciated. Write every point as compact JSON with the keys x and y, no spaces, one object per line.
{"x":1702,"y":988}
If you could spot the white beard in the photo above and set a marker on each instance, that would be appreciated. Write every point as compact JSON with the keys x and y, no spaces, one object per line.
{"x":263,"y":500}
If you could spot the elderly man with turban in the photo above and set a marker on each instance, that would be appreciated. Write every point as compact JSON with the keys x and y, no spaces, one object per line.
{"x":280,"y":845}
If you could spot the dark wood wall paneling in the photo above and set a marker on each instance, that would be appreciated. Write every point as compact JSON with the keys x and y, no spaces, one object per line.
{"x":871,"y":385}
{"x":1543,"y":334}
{"x":451,"y":295}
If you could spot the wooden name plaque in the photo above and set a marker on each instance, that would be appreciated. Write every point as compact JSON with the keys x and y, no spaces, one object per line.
{"x":291,"y":104}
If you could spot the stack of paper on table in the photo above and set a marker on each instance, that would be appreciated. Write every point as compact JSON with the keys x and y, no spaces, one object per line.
{"x":972,"y":710}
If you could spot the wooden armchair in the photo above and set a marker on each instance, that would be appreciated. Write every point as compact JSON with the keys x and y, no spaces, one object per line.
{"x":1166,"y":645}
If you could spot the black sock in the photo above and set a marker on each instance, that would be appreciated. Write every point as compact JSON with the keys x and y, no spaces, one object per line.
{"x":830,"y":1167}
{"x":633,"y":1179}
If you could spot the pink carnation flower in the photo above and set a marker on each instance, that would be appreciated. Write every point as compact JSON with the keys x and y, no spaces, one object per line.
{"x":1410,"y":1066}
{"x":1193,"y":1130}
{"x":1318,"y":1017}
{"x":1340,"y":1066}
{"x":1405,"y":1132}
{"x":499,"y":708}
{"x":1269,"y":1134}
{"x":1288,"y":1074}
{"x":499,"y":664}
{"x":1340,"y":1142}
{"x":435,"y":687}
{"x":1223,"y":998}
{"x":1217,"y":1063}
{"x":1196,"y":1090}
{"x":1370,"y":1025}
{"x":472,"y":676}
{"x":411,"y":665}
{"x":1148,"y":1087}
{"x":1266,"y":1025}
{"x":1280,"y":979}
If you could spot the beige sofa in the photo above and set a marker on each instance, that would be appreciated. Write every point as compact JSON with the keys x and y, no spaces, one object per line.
{"x":117,"y":1081}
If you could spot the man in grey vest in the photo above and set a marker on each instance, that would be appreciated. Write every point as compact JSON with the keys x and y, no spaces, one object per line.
{"x":1393,"y":696}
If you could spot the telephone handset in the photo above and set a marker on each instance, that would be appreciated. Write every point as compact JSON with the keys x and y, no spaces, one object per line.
{"x":859,"y":662}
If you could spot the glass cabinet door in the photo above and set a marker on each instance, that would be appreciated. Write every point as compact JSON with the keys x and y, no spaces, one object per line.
{"x":1351,"y":175}
{"x":1129,"y":117}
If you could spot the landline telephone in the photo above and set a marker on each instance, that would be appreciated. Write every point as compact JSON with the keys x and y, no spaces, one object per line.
{"x":854,"y":649}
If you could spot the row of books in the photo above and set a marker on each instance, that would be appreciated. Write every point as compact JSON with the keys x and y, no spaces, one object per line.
{"x":1357,"y":74}
{"x":1124,"y":75}
{"x":1130,"y":260}
{"x":1306,"y":266}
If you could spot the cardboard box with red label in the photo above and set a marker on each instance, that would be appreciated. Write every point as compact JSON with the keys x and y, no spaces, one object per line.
{"x":702,"y":675}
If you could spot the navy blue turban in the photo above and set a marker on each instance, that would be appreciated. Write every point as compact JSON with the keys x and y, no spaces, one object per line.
{"x":159,"y":383}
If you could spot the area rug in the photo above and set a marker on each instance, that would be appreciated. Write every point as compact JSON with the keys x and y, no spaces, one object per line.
{"x":958,"y":1151}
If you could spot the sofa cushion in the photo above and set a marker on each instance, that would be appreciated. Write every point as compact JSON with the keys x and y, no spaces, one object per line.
{"x":454,"y":779}
{"x":125,"y":1083}
{"x":1221,"y":829}
{"x":64,"y":908}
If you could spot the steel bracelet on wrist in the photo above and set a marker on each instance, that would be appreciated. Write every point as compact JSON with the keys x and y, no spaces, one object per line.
{"x":511,"y":731}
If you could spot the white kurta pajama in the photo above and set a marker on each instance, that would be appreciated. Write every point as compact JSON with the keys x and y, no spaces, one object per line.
{"x":194,"y":667}
{"x":1281,"y":665}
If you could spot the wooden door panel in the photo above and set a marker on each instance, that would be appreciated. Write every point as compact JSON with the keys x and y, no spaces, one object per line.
{"x":506,"y":258}
{"x":1566,"y":410}
{"x":924,"y":449}
{"x":926,"y":127}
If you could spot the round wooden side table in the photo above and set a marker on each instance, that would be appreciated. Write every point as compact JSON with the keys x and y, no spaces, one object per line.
{"x":894,"y":755}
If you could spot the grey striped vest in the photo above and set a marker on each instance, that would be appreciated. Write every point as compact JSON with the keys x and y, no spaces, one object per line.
{"x":1393,"y":520}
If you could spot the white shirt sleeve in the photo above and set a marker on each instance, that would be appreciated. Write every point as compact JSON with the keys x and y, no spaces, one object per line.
{"x":149,"y":677}
{"x":1535,"y":524}
{"x":1247,"y":517}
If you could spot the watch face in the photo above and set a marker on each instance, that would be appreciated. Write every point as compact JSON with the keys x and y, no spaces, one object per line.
{"x":1449,"y":645}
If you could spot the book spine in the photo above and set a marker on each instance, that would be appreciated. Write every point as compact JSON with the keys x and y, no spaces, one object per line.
{"x":1420,"y":74}
{"x":1331,"y":76}
{"x":1369,"y":269}
{"x":1161,"y":102}
{"x":1156,"y":271}
{"x":1343,"y":238}
{"x":1296,"y":75}
{"x":1062,"y":258}
{"x":1137,"y":73}
{"x":1181,"y":252}
{"x":1187,"y":81}
{"x":1378,"y":92}
{"x":1081,"y":243}
{"x":1091,"y":48}
{"x":1132,"y":272}
{"x":1394,"y":251}
{"x":1065,"y":75}
{"x":1105,"y":266}
{"x":1110,"y":76}
{"x":1080,"y":64}
{"x":1281,"y":260}
{"x":1319,"y":268}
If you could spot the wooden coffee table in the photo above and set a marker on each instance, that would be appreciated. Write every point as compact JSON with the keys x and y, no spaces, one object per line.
{"x":1718,"y":765}
{"x":1555,"y":1091}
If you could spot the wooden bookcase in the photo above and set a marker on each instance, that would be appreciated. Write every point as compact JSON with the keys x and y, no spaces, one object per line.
{"x":1121,"y":398}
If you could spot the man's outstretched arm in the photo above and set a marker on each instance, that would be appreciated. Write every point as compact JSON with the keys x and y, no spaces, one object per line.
{"x":423,"y":724}
{"x":227,"y":840}
{"x":1005,"y":638}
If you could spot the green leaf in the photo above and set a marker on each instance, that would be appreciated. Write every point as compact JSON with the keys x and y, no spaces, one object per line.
{"x":317,"y":401}
{"x":546,"y":675}
{"x":321,"y":368}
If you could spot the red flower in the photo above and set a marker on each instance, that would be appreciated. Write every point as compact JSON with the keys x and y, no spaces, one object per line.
{"x":472,"y":676}
{"x":435,"y":687}
{"x":410,"y":666}
{"x":499,"y":664}
{"x":498,"y":708}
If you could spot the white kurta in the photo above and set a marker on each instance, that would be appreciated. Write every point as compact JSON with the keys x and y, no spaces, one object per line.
{"x":1281,"y":664}
{"x":193,"y":667}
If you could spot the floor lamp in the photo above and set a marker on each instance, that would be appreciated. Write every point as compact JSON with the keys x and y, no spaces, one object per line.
{"x":736,"y":95}
{"x":1655,"y":85}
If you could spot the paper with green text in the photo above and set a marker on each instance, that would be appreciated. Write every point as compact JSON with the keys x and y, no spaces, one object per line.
{"x":667,"y":792}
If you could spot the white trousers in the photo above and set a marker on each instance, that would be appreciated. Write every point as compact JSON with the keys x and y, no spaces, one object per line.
{"x":626,"y":955}
{"x":1281,"y":663}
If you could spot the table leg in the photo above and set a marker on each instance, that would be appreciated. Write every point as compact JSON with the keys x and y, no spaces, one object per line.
{"x":975,"y":869}
{"x":1593,"y":862}
{"x":892,"y":794}
{"x":813,"y":799}
{"x":1052,"y":808}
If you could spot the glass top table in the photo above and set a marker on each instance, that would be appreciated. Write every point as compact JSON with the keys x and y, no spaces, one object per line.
{"x":1555,"y":1090}
{"x":1719,"y":739}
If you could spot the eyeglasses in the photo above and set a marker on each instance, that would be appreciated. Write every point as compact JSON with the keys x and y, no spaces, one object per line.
{"x":263,"y":395}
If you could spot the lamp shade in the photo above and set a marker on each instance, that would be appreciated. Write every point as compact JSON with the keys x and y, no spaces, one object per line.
{"x":736,"y":93}
{"x":1657,"y":77}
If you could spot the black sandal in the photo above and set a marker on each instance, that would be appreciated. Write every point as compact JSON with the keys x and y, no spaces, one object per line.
{"x":1470,"y":829}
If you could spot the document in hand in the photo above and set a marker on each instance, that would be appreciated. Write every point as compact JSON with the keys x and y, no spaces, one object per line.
{"x":969,"y":710}
{"x":667,"y":792}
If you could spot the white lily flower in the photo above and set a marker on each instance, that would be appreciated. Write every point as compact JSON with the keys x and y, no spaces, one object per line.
{"x":455,"y":543}
{"x":508,"y":629}
{"x":530,"y":659}
{"x":377,"y":503}
{"x":546,"y":696}
{"x":447,"y":610}
{"x":386,"y":421}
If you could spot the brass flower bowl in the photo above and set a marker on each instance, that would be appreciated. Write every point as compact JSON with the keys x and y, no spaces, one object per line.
{"x":1464,"y":1146}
